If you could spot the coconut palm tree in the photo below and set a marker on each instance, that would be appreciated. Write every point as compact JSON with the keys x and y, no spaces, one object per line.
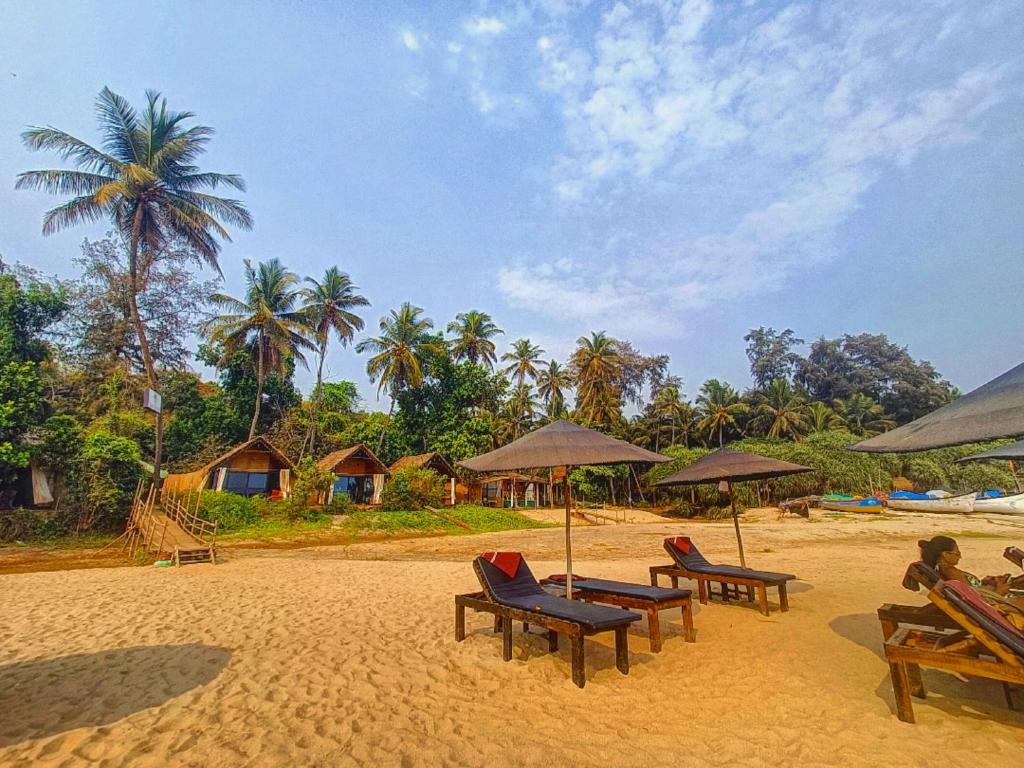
{"x":400,"y":353}
{"x":551,"y":385}
{"x":862,"y":416}
{"x":473,"y":333}
{"x":670,"y":406}
{"x":522,"y":358}
{"x":328,"y":306}
{"x":821,"y":418}
{"x":781,"y":410}
{"x":719,"y":405}
{"x":597,"y":365}
{"x":520,"y":411}
{"x":267,"y":322}
{"x":144,"y":180}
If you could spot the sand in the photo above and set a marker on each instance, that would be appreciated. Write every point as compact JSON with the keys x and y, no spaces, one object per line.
{"x":345,"y":656}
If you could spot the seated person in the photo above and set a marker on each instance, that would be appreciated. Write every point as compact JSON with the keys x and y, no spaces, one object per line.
{"x":943,"y":554}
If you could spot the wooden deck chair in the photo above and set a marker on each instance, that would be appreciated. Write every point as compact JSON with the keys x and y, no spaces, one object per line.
{"x":985,"y":645}
{"x":511,"y":593}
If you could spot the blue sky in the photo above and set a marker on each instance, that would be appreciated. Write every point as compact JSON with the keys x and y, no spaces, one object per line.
{"x":671,"y":172}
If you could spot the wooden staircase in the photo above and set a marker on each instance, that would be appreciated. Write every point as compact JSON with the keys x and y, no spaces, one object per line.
{"x":172,"y":529}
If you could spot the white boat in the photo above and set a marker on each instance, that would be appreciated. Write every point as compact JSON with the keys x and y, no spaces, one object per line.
{"x":1003,"y":505}
{"x":951,"y":505}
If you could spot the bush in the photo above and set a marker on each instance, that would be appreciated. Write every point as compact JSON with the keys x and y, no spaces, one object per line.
{"x":341,"y":504}
{"x":310,"y":482}
{"x":110,"y":470}
{"x":24,"y":524}
{"x":411,"y":489}
{"x":230,"y":510}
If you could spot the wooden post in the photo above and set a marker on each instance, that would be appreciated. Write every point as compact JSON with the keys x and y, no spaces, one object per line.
{"x":568,"y":544}
{"x":736,"y":525}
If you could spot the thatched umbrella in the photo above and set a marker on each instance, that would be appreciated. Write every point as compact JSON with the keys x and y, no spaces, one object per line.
{"x":730,"y":467}
{"x":561,"y":444}
{"x":991,"y":411}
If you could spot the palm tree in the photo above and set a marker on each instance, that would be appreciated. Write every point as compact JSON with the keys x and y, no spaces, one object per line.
{"x":523,"y":358}
{"x":720,"y":405}
{"x":473,"y":333}
{"x":551,"y":385}
{"x":669,"y":405}
{"x":597,"y":365}
{"x":782,"y":410}
{"x":862,"y":416}
{"x":145,"y":181}
{"x":520,"y":410}
{"x":329,"y":305}
{"x":266,"y":322}
{"x":400,"y":354}
{"x":821,"y":418}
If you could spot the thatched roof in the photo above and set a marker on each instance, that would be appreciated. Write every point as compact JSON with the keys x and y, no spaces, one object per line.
{"x":331,"y":460}
{"x":560,"y":444}
{"x":257,"y":443}
{"x":991,"y":411}
{"x":734,"y":466}
{"x":1011,"y":452}
{"x":421,"y":460}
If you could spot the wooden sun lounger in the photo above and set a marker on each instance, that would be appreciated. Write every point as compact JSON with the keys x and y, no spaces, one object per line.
{"x":1015,"y":555}
{"x":650,"y":600}
{"x":523,"y":599}
{"x":730,"y":578}
{"x":985,"y":645}
{"x":892,"y":616}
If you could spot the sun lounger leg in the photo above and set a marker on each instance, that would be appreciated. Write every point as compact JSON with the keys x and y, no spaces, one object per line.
{"x":901,"y":691}
{"x":783,"y":598}
{"x":750,"y":593}
{"x":506,"y":640}
{"x":762,"y":596}
{"x":654,"y":630}
{"x":460,"y":623}
{"x":654,"y":577}
{"x":552,"y":640}
{"x":579,"y":672}
{"x":915,"y":681}
{"x":702,"y":591}
{"x":497,"y":623}
{"x":622,"y":650}
{"x":688,"y":634}
{"x":675,"y":582}
{"x":526,"y":626}
{"x":1008,"y":693}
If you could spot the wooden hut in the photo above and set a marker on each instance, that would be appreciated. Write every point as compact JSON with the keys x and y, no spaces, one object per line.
{"x":358,"y":473}
{"x":435,"y":461}
{"x":254,"y":468}
{"x":512,"y":489}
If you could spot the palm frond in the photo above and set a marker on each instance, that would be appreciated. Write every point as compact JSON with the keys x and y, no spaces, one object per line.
{"x":120,"y":125}
{"x":75,"y":211}
{"x":63,"y":182}
{"x":68,"y":147}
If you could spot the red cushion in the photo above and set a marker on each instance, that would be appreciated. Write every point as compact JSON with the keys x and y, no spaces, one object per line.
{"x":508,"y":562}
{"x":682,"y":543}
{"x":973,"y":598}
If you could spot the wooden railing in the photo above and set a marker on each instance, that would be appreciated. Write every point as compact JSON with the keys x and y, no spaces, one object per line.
{"x":181,"y":511}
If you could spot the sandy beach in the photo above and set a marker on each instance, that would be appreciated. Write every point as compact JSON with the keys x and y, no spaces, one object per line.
{"x":346,"y":655}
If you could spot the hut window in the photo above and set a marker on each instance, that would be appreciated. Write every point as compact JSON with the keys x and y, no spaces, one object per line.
{"x":246,"y":483}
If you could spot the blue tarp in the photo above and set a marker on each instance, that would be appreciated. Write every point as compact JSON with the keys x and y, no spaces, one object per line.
{"x":910,"y":495}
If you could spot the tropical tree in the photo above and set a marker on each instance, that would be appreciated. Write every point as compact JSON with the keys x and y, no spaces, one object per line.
{"x":328,"y":308}
{"x":551,"y":385}
{"x":144,"y":179}
{"x":670,"y":406}
{"x":719,"y":406}
{"x":473,"y":333}
{"x":597,"y":365}
{"x":519,"y":411}
{"x":861,"y":415}
{"x":821,"y":418}
{"x":400,"y":354}
{"x":781,"y":410}
{"x":522,"y":358}
{"x":267,"y":323}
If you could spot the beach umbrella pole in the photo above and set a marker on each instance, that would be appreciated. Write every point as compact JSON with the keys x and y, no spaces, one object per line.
{"x":736,"y":525}
{"x":568,"y":537}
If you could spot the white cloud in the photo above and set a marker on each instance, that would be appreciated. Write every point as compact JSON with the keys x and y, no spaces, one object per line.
{"x":454,"y":47}
{"x":484,"y":25}
{"x":410,"y":40}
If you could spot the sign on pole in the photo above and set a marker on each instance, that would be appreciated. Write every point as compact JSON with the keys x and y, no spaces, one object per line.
{"x":151,"y":400}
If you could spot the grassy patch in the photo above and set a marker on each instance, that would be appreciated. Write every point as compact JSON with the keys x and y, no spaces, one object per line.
{"x":271,"y":529}
{"x":479,"y":519}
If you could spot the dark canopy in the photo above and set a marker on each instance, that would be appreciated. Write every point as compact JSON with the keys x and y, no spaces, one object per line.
{"x":1011,"y":452}
{"x":735,"y":466}
{"x":560,"y":444}
{"x":991,"y":411}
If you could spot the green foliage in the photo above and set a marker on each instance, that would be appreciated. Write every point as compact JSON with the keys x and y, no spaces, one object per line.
{"x":230,"y":510}
{"x":21,"y":406}
{"x":411,"y":489}
{"x":310,"y":482}
{"x":340,"y":504}
{"x":368,"y":522}
{"x":110,"y":469}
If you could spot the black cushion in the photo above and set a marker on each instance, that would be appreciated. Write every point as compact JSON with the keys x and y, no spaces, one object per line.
{"x":525,"y":593}
{"x":695,"y":562}
{"x":627,"y":589}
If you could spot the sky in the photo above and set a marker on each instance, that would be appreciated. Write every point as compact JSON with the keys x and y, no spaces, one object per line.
{"x":674,"y":173}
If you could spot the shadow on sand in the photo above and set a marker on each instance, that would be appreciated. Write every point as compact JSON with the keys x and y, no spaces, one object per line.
{"x":45,"y":697}
{"x":960,"y":697}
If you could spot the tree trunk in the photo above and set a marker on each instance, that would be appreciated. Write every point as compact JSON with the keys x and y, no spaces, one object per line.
{"x":721,"y":428}
{"x":311,"y":432}
{"x":259,"y":388}
{"x":380,"y":443}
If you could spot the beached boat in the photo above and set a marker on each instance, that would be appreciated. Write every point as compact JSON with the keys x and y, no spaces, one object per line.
{"x":928,"y":502}
{"x":1004,"y":505}
{"x":870,"y":505}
